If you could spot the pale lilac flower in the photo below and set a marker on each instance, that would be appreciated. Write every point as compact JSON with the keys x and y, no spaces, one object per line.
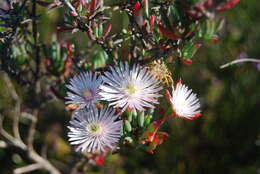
{"x":95,"y":130}
{"x":133,"y":88}
{"x":184,"y":103}
{"x":84,"y":89}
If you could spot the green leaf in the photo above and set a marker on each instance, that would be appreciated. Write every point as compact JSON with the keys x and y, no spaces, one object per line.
{"x":127,"y":126}
{"x":100,"y":30}
{"x":99,"y":58}
{"x":175,"y":14}
{"x":141,"y":119}
{"x":129,"y":116}
{"x":208,"y":30}
{"x":147,"y":120}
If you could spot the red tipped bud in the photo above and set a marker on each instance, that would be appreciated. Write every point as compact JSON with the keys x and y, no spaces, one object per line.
{"x":137,"y":8}
{"x":93,"y":6}
{"x":167,"y":33}
{"x":215,"y":40}
{"x":107,"y":30}
{"x":90,"y":34}
{"x":72,"y":106}
{"x":63,"y":29}
{"x":186,"y":61}
{"x":228,"y":5}
{"x":198,"y":46}
{"x":152,"y":20}
{"x":100,"y":159}
{"x":168,"y":95}
{"x":179,"y":82}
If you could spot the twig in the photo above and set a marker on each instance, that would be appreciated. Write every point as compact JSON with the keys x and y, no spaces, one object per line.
{"x":33,"y":155}
{"x":14,"y":96}
{"x":32,"y":129}
{"x":9,"y":139}
{"x":45,"y":163}
{"x":68,"y":4}
{"x":78,"y":165}
{"x":240,"y":61}
{"x":27,"y":115}
{"x":3,"y":144}
{"x":28,"y":168}
{"x":35,"y":36}
{"x":18,"y":143}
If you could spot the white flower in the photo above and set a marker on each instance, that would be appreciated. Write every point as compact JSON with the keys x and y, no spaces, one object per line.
{"x":93,"y":130}
{"x":134,"y":88}
{"x":185,"y":103}
{"x":84,"y":89}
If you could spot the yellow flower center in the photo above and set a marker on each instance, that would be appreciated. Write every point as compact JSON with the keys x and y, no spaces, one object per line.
{"x":131,"y":89}
{"x":86,"y":92}
{"x":95,"y":128}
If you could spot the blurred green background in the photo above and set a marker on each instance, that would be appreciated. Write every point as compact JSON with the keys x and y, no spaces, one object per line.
{"x":226,"y":139}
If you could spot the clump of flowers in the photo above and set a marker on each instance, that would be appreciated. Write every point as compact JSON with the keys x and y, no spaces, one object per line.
{"x":133,"y":92}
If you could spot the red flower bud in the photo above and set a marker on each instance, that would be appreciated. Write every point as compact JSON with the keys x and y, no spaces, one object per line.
{"x":72,"y":106}
{"x":107,"y":30}
{"x":167,"y":95}
{"x":90,"y":34}
{"x":198,"y":46}
{"x":152,"y":20}
{"x":137,"y":8}
{"x":209,"y":3}
{"x":100,"y":159}
{"x":93,"y":6}
{"x":186,"y":61}
{"x":228,"y":5}
{"x":63,"y":29}
{"x":167,"y":33}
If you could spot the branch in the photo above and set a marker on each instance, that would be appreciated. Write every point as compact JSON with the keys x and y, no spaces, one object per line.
{"x":9,"y":139}
{"x":32,"y":129}
{"x":240,"y":61}
{"x":3,"y":144}
{"x":33,"y":155}
{"x":78,"y":165}
{"x":44,"y":162}
{"x":35,"y":36}
{"x":16,"y":98}
{"x":28,"y":168}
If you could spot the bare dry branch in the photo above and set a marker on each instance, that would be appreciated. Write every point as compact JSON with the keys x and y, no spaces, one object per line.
{"x":3,"y":144}
{"x":16,"y":98}
{"x":9,"y":139}
{"x":27,"y":116}
{"x":240,"y":61}
{"x":32,"y":129}
{"x":45,"y":163}
{"x":28,"y":168}
{"x":33,"y":155}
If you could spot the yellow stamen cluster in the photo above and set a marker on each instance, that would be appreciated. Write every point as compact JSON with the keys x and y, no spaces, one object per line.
{"x":131,"y":89}
{"x":161,"y":72}
{"x":86,"y":92}
{"x":95,"y":128}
